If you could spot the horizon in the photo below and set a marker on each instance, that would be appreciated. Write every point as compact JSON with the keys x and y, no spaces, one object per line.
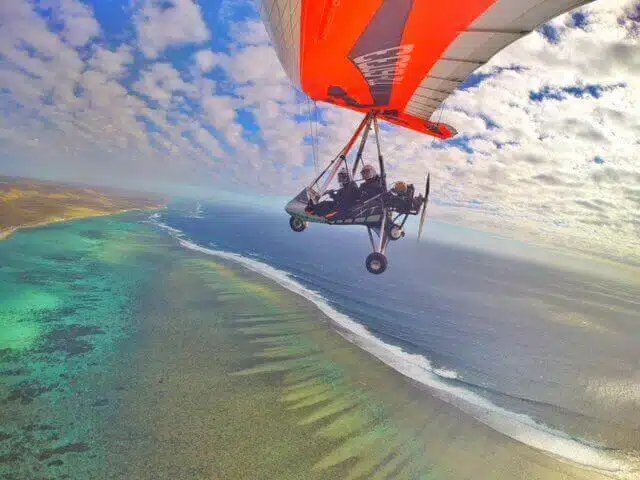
{"x":182,"y":97}
{"x":446,"y":232}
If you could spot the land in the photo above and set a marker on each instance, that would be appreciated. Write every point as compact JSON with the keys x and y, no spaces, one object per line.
{"x":27,"y":203}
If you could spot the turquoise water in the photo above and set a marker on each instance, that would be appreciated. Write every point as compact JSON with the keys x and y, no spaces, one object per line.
{"x":69,"y":293}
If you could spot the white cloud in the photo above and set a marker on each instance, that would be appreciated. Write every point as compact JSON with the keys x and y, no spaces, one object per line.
{"x":532,"y":184}
{"x":206,"y":60}
{"x":162,"y":24}
{"x":534,"y":175}
{"x":250,"y":32}
{"x":77,"y":118}
{"x":219,"y":110}
{"x":162,"y":82}
{"x":208,"y":142}
{"x":79,"y":24}
{"x":112,"y":63}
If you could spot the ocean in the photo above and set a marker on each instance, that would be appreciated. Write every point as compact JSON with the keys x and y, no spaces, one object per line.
{"x":545,"y":355}
{"x":214,"y":342}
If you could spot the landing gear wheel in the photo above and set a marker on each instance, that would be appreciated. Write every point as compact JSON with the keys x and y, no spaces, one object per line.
{"x":376,"y":263}
{"x":396,"y":233}
{"x":297,"y":225}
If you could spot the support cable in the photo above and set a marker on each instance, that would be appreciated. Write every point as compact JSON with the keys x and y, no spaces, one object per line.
{"x":313,"y":142}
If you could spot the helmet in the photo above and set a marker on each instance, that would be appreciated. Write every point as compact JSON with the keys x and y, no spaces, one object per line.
{"x":343,"y":176}
{"x":368,"y":172}
{"x":400,"y":187}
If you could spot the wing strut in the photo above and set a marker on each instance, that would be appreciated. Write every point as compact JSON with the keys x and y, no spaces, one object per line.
{"x":358,"y":159}
{"x":332,"y":169}
{"x":383,"y":174}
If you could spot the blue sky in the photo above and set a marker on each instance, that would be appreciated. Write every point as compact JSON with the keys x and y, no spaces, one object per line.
{"x":182,"y":95}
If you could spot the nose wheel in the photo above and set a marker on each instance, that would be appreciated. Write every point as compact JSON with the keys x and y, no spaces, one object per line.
{"x":396,"y":232}
{"x":376,"y":263}
{"x":296,"y":224}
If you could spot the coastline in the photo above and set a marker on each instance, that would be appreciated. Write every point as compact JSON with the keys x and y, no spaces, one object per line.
{"x":520,"y":428}
{"x":7,"y":232}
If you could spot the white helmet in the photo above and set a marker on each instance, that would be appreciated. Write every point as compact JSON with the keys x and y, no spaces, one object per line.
{"x":343,"y":176}
{"x":368,"y":172}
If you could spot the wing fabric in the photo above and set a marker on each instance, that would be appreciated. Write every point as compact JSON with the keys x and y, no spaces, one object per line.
{"x":402,"y":58}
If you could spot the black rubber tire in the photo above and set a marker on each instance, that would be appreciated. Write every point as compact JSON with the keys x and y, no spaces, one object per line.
{"x":297,"y":225}
{"x":395,"y":239}
{"x":376,"y":263}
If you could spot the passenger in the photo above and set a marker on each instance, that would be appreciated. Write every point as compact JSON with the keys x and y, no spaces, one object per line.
{"x":400,"y":197}
{"x":372,"y":184}
{"x":403,"y":198}
{"x":400,"y":188}
{"x":342,"y":200}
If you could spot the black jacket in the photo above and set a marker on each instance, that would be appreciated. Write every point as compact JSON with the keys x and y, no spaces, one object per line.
{"x":347,"y":196}
{"x":371,"y":188}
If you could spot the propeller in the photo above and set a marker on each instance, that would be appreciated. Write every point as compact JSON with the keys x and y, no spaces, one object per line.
{"x":424,"y":208}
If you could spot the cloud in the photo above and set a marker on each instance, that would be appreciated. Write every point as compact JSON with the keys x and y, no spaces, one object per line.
{"x":630,"y":19}
{"x":114,"y":64}
{"x":250,"y":32}
{"x":79,"y":24}
{"x":549,"y":144}
{"x":578,"y":91}
{"x":162,"y":83}
{"x":616,"y":176}
{"x":162,"y":24}
{"x":548,"y":138}
{"x":208,"y":142}
{"x":220,"y":112}
{"x":206,"y":60}
{"x":75,"y":116}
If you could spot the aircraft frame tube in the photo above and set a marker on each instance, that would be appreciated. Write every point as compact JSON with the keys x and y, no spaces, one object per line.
{"x":383,"y":174}
{"x":383,"y":230}
{"x":365,"y":135}
{"x":342,"y":155}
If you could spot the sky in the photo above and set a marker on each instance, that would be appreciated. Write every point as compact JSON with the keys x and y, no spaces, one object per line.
{"x":179,"y":95}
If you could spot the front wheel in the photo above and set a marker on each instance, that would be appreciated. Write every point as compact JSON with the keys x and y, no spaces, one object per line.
{"x":297,"y":225}
{"x":396,"y":233}
{"x":376,"y":263}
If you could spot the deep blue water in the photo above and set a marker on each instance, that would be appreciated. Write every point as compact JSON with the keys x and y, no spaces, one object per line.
{"x":559,"y":346}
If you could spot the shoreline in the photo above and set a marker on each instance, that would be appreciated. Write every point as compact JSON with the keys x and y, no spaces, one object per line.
{"x":401,"y":386}
{"x":7,"y":232}
{"x":517,"y":427}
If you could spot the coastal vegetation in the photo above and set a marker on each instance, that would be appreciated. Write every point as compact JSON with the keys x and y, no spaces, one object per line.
{"x":28,"y":203}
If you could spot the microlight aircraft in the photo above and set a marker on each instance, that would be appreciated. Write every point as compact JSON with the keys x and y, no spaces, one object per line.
{"x":395,"y":61}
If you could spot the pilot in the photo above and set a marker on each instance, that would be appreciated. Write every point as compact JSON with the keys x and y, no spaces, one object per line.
{"x":372,"y":184}
{"x":341,"y":200}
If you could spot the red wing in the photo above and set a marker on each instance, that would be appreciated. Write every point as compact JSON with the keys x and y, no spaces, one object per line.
{"x":402,"y":58}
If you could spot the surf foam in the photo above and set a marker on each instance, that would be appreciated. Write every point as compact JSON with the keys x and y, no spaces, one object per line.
{"x":173,"y":231}
{"x":517,"y":426}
